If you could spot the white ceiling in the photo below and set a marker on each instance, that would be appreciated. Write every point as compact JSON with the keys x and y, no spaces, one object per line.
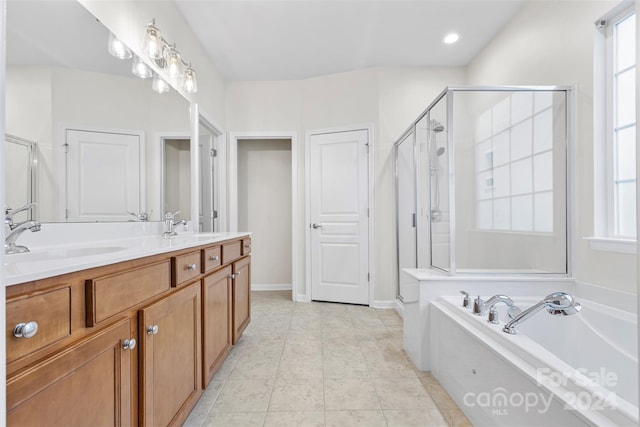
{"x":296,"y":39}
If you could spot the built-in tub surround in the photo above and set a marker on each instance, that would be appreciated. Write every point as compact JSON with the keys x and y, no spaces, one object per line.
{"x":568,"y":370}
{"x":66,"y":248}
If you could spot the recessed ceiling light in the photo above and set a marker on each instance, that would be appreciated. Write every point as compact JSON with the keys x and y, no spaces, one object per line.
{"x":451,"y":38}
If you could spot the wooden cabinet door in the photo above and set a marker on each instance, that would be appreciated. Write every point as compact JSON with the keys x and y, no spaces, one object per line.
{"x":241,"y":296}
{"x":171,"y":359}
{"x":216,"y":321}
{"x":89,"y":384}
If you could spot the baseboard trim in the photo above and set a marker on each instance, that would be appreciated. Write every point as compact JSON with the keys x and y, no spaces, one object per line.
{"x":302,"y":298}
{"x":271,"y":287}
{"x":383,"y":304}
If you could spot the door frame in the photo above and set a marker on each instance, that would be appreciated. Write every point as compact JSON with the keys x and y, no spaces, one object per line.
{"x":307,"y":180}
{"x":233,"y":192}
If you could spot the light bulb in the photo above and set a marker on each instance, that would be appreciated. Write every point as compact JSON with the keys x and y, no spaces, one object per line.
{"x":189,"y":83}
{"x":174,"y":63}
{"x":141,"y":69}
{"x":159,"y":85}
{"x":152,"y":44}
{"x":117,"y":48}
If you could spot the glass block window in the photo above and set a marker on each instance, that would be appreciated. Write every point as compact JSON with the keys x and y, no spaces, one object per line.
{"x":514,"y":164}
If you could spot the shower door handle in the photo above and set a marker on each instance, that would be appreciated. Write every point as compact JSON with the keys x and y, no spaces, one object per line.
{"x":414,"y":220}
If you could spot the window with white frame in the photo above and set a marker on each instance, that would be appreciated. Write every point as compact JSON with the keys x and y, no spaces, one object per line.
{"x":514,"y":164}
{"x":621,"y":125}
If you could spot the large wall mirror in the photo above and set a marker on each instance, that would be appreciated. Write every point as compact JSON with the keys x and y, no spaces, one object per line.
{"x":97,"y":129}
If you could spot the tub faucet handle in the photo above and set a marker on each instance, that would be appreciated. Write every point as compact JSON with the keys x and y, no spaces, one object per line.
{"x":493,"y":316}
{"x":478,"y":306}
{"x":466,"y":302}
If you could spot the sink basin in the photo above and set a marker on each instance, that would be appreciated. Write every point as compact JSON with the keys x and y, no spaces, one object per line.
{"x":53,"y":254}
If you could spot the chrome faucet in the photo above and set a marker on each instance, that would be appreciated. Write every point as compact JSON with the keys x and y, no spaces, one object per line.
{"x":557,"y":303}
{"x":16,"y":229}
{"x":170,"y":224}
{"x":480,"y":307}
{"x":142,"y":216}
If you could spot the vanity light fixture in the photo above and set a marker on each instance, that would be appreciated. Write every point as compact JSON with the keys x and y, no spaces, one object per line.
{"x":189,"y":83}
{"x":174,"y":63}
{"x":166,"y":57}
{"x":451,"y":38}
{"x":140,"y":69}
{"x":163,"y":56}
{"x":153,"y":43}
{"x":159,"y":85}
{"x":117,"y":48}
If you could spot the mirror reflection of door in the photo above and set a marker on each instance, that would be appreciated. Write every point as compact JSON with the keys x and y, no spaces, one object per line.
{"x":208,"y":154}
{"x":20,"y":175}
{"x":177,"y":176}
{"x":103,"y":175}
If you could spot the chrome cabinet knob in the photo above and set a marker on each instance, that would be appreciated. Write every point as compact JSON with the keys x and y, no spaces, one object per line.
{"x":152,"y":330}
{"x":25,"y":330}
{"x":237,"y":274}
{"x":129,"y":344}
{"x":191,"y":267}
{"x":247,"y":246}
{"x":232,"y":276}
{"x":214,"y":258}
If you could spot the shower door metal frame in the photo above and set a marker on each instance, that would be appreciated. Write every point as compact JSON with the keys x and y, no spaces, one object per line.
{"x":449,"y":92}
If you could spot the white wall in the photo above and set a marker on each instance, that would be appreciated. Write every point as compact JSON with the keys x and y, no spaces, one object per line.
{"x":389,"y":98}
{"x":264,"y":207}
{"x":549,"y":43}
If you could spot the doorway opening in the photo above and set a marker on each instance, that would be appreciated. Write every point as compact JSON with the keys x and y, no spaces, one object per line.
{"x":263,"y":200}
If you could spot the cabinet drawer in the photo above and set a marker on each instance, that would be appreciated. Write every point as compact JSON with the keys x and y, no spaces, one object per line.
{"x":109,"y":295}
{"x":246,"y":246}
{"x":231,"y":251}
{"x":212,"y":258}
{"x":50,"y":310}
{"x":185,"y":267}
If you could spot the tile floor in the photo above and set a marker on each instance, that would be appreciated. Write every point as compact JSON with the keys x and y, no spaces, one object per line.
{"x":322,"y":364}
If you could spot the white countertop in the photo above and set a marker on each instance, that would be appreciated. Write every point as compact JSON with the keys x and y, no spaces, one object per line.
{"x":52,"y":261}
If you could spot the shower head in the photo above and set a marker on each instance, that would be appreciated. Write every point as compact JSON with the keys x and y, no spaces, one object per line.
{"x":436,"y":126}
{"x":561,"y":303}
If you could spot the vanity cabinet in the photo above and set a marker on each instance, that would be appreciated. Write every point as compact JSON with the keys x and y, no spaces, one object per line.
{"x":241,"y":296}
{"x":131,"y":343}
{"x":88,"y":384}
{"x":216,"y":321}
{"x":170,"y":357}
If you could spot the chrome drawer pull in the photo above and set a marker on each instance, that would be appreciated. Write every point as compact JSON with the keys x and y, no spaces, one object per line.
{"x":191,"y":267}
{"x":214,"y":258}
{"x":152,"y":330}
{"x":25,"y":330}
{"x":129,"y":344}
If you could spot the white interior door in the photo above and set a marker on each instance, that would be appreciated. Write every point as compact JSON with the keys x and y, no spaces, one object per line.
{"x":103,"y":176}
{"x":338,"y":171}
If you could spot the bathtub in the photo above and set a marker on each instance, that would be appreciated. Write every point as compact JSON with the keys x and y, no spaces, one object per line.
{"x":558,"y":370}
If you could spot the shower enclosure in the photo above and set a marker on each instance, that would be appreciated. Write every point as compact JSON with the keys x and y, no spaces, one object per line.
{"x":482,"y":182}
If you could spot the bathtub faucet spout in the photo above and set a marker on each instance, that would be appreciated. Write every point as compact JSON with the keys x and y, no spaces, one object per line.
{"x":480,"y":307}
{"x":557,"y":303}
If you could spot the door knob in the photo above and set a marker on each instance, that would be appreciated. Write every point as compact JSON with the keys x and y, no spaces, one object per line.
{"x":25,"y":330}
{"x":316,"y":225}
{"x":129,"y":344}
{"x":152,"y":330}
